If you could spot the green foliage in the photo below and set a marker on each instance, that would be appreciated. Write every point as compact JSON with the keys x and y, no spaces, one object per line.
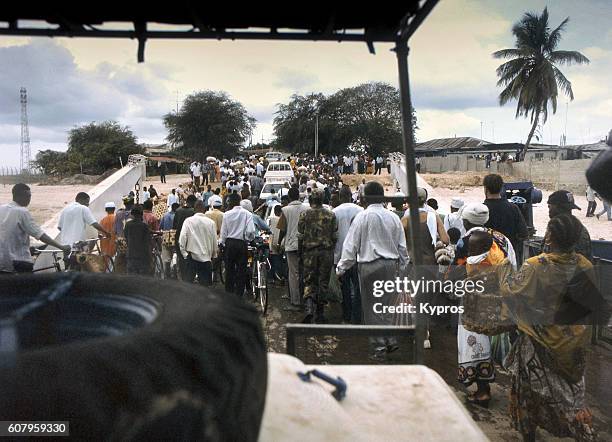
{"x":532,"y":76}
{"x":95,"y":147}
{"x":98,"y":146}
{"x":209,"y":123}
{"x":364,"y":118}
{"x":53,"y":162}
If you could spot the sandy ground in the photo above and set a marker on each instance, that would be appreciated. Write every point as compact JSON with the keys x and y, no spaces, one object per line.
{"x":48,"y":200}
{"x":467,"y":186}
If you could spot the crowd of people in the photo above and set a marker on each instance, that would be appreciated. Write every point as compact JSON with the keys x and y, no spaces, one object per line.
{"x":323,"y":232}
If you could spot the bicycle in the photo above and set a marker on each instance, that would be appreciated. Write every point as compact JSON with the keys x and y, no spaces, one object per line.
{"x":77,"y":259}
{"x":158,"y":262}
{"x":258,"y":265}
{"x":218,"y":273}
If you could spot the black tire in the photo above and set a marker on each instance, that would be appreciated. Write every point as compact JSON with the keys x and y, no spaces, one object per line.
{"x":197,"y":371}
{"x":263,"y":291}
{"x":159,"y":272}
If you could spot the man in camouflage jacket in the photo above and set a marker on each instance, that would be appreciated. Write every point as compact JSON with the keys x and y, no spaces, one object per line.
{"x":317,"y":233}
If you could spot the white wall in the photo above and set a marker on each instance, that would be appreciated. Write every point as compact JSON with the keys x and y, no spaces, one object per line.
{"x":112,"y":188}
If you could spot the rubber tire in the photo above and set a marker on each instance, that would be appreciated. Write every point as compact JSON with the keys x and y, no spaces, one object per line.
{"x":196,"y":372}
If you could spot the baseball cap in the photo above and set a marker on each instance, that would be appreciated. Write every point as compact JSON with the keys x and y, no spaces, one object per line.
{"x":456,"y":203}
{"x":110,"y":205}
{"x":563,"y":198}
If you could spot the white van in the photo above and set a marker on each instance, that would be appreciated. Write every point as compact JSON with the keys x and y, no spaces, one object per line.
{"x":274,"y":156}
{"x":279,"y":171}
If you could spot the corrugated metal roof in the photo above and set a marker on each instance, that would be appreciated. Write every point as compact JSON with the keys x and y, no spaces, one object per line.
{"x":451,"y":143}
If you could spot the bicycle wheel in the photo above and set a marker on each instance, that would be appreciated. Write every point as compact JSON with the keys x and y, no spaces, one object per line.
{"x":159,"y":267}
{"x":263,"y":287}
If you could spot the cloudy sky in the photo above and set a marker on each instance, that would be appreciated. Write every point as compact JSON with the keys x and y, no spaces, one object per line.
{"x":75,"y":81}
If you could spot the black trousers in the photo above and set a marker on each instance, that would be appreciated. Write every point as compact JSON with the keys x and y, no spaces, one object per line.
{"x":591,"y":208}
{"x":138,"y":267}
{"x":202,"y":269}
{"x":23,"y":266}
{"x":205,"y":179}
{"x":162,"y":177}
{"x":235,"y":255}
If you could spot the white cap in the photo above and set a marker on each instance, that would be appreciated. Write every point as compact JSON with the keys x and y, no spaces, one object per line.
{"x":457,"y":203}
{"x":215,"y":200}
{"x":110,"y":205}
{"x":246,"y":204}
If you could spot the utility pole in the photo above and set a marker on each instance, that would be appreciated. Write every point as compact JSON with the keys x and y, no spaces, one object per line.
{"x":24,"y":161}
{"x":317,"y":134}
{"x":177,"y":102}
{"x":481,"y":130}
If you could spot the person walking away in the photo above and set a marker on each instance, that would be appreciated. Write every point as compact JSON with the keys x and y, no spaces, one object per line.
{"x":453,"y":219}
{"x":276,"y":253}
{"x":345,"y":213}
{"x":547,"y":360}
{"x":138,"y":238}
{"x":592,"y":202}
{"x":431,"y":228}
{"x":121,"y":217}
{"x":376,"y":242}
{"x":215,"y":213}
{"x":181,"y":215}
{"x":206,"y":195}
{"x":74,"y":220}
{"x":108,"y":246}
{"x":417,"y":162}
{"x":504,"y":216}
{"x":317,"y":234}
{"x":163,"y":169}
{"x":562,"y":202}
{"x":204,"y":169}
{"x":16,"y":228}
{"x":388,"y":163}
{"x":198,"y":245}
{"x":168,"y":239}
{"x":236,"y":232}
{"x":149,"y":217}
{"x":145,"y":194}
{"x":288,"y":227}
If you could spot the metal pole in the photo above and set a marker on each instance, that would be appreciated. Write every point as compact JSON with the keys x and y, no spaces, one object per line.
{"x":401,"y":50}
{"x":316,"y":135}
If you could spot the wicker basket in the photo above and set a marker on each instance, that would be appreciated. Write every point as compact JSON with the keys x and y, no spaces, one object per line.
{"x":121,"y":246}
{"x":91,"y":263}
{"x":483,"y":311}
{"x":168,"y":238}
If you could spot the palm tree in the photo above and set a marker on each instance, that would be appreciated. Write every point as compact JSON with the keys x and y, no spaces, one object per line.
{"x":532,"y":76}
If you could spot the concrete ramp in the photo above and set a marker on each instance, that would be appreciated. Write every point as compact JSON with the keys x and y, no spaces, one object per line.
{"x":112,"y":188}
{"x":398,"y":172}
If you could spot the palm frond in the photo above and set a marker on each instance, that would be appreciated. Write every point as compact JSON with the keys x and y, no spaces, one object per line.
{"x":564,"y":83}
{"x":568,"y":57}
{"x":555,"y":36}
{"x":508,"y":53}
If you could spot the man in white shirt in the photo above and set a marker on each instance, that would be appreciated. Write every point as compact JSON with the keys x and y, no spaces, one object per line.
{"x":237,"y":231}
{"x":197,"y":174}
{"x":198,"y":245}
{"x":74,"y":220}
{"x":16,"y":227}
{"x":172,"y":198}
{"x":288,"y":226}
{"x":453,"y":219}
{"x":379,"y":165}
{"x":376,"y":242}
{"x":351,"y":298}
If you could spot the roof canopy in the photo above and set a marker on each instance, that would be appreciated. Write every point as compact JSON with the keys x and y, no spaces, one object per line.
{"x":305,"y":21}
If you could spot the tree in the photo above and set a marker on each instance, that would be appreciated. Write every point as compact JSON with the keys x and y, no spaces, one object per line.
{"x":209,"y":123}
{"x":53,"y":162}
{"x":96,"y":147}
{"x":532,"y":76}
{"x":365,"y":118}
